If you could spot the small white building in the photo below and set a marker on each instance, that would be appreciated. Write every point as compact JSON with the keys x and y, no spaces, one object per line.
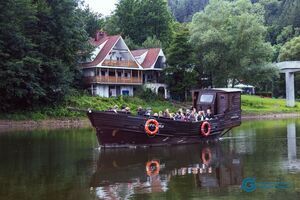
{"x":246,"y":89}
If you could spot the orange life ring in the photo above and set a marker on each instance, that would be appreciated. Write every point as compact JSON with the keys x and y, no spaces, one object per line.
{"x":147,"y":129}
{"x":206,"y":156}
{"x":205,"y":128}
{"x":149,"y":168}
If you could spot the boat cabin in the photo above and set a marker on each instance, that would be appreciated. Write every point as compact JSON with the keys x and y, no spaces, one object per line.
{"x":219,"y":100}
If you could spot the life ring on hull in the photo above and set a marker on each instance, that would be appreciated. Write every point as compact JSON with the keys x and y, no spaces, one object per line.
{"x":152,"y":168}
{"x":151,"y":127}
{"x":206,"y":156}
{"x":205,"y":128}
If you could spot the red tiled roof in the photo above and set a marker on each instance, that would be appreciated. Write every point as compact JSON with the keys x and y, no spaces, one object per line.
{"x":138,"y":52}
{"x":151,"y":58}
{"x":111,"y":41}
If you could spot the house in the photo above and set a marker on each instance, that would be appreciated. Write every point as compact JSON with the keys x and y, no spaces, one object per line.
{"x":114,"y":70}
{"x":153,"y":62}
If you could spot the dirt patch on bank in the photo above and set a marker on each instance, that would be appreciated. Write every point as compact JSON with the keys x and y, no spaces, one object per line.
{"x":270,"y":116}
{"x":10,"y":125}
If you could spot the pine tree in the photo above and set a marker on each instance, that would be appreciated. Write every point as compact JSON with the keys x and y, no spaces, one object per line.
{"x":180,"y":74}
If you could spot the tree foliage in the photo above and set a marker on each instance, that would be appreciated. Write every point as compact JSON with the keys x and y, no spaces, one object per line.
{"x":140,"y":19}
{"x":290,"y":50}
{"x":152,"y":42}
{"x":183,"y":10}
{"x":230,"y":38}
{"x":180,"y":74}
{"x":92,"y":21}
{"x":39,"y":45}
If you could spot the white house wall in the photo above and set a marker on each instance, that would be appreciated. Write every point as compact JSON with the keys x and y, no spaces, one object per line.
{"x":102,"y":90}
{"x":115,"y":52}
{"x":141,"y":58}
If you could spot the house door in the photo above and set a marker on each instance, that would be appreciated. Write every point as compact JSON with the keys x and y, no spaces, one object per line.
{"x":112,"y":91}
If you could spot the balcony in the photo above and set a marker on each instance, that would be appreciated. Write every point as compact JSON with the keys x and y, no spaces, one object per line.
{"x":120,"y":63}
{"x":113,"y":80}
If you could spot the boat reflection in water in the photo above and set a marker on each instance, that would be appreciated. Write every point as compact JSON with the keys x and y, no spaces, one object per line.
{"x":121,"y":173}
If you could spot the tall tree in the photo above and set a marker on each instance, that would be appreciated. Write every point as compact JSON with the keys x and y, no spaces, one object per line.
{"x":152,"y":42}
{"x":92,"y":21}
{"x":230,"y":39}
{"x":20,"y":64}
{"x":139,"y":19}
{"x":290,"y":50}
{"x":183,"y":10}
{"x":39,"y":45}
{"x":290,"y":13}
{"x":180,"y":74}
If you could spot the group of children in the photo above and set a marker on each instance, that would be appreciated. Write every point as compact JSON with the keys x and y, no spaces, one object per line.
{"x":189,"y":115}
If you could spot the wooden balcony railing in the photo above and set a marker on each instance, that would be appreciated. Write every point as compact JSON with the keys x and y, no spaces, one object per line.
{"x":120,"y":63}
{"x":112,"y":80}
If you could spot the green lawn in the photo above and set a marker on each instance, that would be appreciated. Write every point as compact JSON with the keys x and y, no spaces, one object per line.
{"x":84,"y":102}
{"x":258,"y":105}
{"x":250,"y":105}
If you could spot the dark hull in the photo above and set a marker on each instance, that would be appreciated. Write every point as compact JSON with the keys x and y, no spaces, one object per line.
{"x":123,"y":130}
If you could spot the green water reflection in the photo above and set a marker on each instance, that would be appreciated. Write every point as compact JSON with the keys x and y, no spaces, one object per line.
{"x":65,"y":164}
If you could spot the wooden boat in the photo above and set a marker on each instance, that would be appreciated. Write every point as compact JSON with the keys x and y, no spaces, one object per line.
{"x":121,"y":129}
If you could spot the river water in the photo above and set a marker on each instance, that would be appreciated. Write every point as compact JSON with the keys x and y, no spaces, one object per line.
{"x":258,"y":160}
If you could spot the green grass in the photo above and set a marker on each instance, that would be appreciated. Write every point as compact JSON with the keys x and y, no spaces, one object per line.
{"x":250,"y":105}
{"x":85,"y":102}
{"x":259,"y":105}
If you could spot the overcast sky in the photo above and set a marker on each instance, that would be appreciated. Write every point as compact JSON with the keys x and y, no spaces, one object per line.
{"x":105,"y":7}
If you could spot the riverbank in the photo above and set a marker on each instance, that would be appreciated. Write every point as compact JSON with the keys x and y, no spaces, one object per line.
{"x":27,"y":125}
{"x":84,"y":102}
{"x":253,"y":107}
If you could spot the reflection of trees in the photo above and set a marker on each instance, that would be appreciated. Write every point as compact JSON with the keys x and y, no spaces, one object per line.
{"x":48,"y":164}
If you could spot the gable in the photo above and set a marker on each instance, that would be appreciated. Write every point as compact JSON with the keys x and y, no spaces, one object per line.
{"x":148,"y":58}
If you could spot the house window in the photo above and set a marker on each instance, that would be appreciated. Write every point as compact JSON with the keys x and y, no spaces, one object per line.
{"x":111,"y":73}
{"x":119,"y":74}
{"x":134,"y":73}
{"x":102,"y":73}
{"x":125,"y":92}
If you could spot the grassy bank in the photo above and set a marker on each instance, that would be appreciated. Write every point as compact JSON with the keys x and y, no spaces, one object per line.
{"x":84,"y":102}
{"x":258,"y":105}
{"x":251,"y":105}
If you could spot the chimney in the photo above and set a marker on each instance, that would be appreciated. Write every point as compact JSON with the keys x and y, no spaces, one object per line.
{"x":100,"y":35}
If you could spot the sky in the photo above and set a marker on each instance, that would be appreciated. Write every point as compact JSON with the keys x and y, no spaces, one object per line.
{"x":105,"y":7}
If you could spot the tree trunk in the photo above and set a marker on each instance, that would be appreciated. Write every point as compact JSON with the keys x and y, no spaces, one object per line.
{"x":233,"y":83}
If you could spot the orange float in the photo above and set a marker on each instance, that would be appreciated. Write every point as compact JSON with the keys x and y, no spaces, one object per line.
{"x":205,"y":128}
{"x":149,"y":168}
{"x":206,"y":156}
{"x":151,"y":122}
